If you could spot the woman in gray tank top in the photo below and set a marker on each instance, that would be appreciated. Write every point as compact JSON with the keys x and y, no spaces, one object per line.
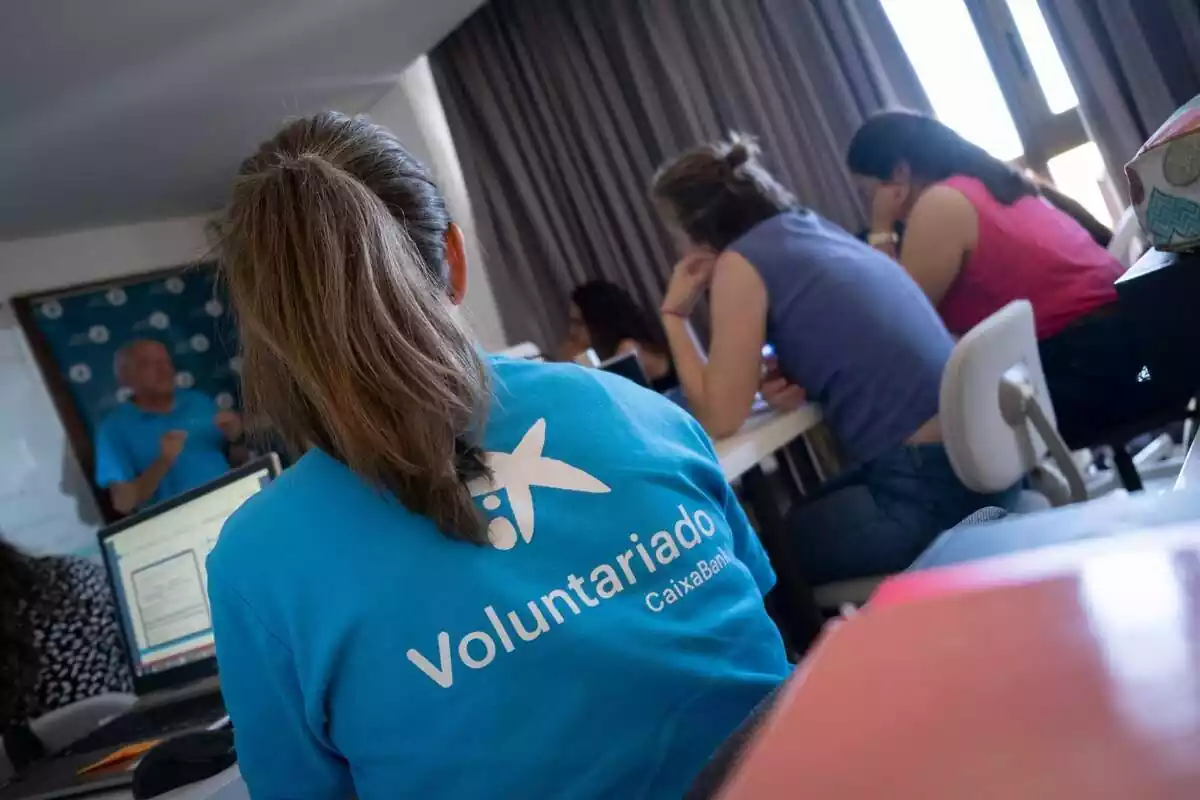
{"x":848,"y":325}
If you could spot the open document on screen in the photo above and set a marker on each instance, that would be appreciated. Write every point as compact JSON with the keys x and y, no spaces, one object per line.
{"x":162,"y":584}
{"x":169,"y":596}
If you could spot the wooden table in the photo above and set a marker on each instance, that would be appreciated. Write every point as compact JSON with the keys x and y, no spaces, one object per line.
{"x":792,"y":603}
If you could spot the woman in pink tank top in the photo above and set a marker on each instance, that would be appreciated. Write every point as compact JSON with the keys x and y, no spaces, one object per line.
{"x":1028,"y":249}
{"x":978,"y":235}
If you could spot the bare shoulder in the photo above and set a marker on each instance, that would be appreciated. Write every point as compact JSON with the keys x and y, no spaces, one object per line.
{"x":940,"y":201}
{"x":945,"y":213}
{"x":732,"y":271}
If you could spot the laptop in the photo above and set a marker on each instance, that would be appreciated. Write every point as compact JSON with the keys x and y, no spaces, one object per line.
{"x":155,"y":562}
{"x":627,"y":366}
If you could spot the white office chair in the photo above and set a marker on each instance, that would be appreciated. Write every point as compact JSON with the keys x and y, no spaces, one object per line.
{"x":997,"y":420}
{"x":1161,"y":458}
{"x":997,"y":426}
{"x":64,"y":726}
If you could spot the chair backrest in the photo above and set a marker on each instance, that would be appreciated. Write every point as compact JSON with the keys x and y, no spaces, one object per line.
{"x":988,"y":452}
{"x":1127,"y":243}
{"x":526,"y":350}
{"x":63,"y":726}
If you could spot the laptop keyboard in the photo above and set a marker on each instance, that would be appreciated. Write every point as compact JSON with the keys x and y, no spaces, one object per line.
{"x":154,"y":722}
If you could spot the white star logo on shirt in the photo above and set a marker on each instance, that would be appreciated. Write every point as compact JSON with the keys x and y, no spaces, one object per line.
{"x":516,"y":473}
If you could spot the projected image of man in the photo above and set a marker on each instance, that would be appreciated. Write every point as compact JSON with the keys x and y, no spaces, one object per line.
{"x":163,"y":440}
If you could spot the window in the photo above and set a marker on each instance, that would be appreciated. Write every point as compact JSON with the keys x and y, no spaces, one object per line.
{"x":1080,"y":173}
{"x":993,"y":73}
{"x":1048,"y":67}
{"x":954,"y":71}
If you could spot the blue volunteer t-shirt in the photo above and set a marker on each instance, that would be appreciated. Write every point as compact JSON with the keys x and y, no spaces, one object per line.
{"x":127,"y":443}
{"x":604,"y":643}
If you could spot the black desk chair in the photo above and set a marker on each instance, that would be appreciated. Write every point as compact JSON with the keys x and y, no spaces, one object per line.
{"x":1158,"y":297}
{"x":1133,"y":468}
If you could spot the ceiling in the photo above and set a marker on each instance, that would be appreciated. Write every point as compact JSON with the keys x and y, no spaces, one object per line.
{"x":133,"y":110}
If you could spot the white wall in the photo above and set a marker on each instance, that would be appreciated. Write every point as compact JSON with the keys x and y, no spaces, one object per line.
{"x":413,"y":111}
{"x":45,"y":503}
{"x":34,"y":265}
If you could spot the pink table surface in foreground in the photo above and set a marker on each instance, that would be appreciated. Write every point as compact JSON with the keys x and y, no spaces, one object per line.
{"x":1070,"y":673}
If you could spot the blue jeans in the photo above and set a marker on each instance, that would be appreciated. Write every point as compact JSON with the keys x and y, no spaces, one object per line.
{"x":879,"y":517}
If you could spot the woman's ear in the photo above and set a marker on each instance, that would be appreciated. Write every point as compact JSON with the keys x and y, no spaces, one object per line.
{"x":456,"y":263}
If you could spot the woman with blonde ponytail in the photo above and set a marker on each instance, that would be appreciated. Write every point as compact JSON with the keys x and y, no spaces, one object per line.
{"x":482,"y":577}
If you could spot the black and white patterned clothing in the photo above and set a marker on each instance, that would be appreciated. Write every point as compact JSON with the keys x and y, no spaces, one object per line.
{"x":76,"y":636}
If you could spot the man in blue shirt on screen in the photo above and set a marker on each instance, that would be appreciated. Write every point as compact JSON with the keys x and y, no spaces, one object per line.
{"x":163,"y":440}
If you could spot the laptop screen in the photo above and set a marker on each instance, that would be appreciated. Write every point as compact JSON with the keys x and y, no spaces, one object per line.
{"x":157,"y":568}
{"x":627,"y":366}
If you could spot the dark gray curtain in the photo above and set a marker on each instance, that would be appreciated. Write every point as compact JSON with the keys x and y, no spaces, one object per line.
{"x":1132,"y":62}
{"x":562,"y":109}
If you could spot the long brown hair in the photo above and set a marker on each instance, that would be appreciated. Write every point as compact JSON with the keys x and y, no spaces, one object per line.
{"x":334,"y":253}
{"x":717,"y":192}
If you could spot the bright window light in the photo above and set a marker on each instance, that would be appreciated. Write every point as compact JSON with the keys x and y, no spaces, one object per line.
{"x":1047,"y":65}
{"x":1079,"y":173}
{"x":944,"y":48}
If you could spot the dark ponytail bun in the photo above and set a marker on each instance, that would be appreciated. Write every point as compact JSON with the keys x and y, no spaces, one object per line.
{"x":742,"y":149}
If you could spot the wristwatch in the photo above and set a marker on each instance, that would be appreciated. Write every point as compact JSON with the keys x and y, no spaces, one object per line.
{"x":876,"y":238}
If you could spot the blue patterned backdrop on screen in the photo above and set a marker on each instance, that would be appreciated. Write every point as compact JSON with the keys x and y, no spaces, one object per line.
{"x":185,"y":311}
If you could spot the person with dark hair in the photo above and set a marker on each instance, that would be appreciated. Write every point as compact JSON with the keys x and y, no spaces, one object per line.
{"x":606,"y":319}
{"x":979,"y":235}
{"x":484,"y":577}
{"x":846,"y":325}
{"x":60,"y":640}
